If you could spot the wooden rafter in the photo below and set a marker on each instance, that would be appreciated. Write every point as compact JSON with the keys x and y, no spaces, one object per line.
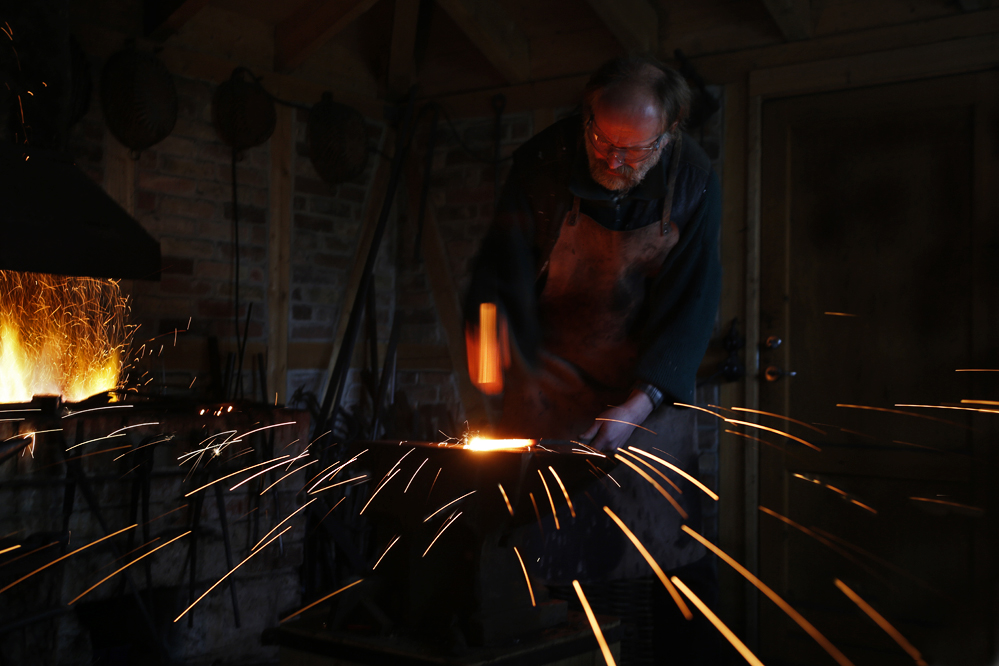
{"x":311,"y":26}
{"x":402,"y":56}
{"x":634,"y":23}
{"x":495,"y":34}
{"x":162,"y":19}
{"x":793,"y":17}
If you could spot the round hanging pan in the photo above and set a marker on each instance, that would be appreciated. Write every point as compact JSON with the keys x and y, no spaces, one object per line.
{"x":338,"y":141}
{"x":139,"y":99}
{"x":242,"y":111}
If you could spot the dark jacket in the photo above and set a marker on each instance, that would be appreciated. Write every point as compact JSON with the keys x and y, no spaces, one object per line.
{"x":548,"y":171}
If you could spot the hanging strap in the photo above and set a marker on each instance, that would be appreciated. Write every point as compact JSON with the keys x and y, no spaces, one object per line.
{"x":674,"y":164}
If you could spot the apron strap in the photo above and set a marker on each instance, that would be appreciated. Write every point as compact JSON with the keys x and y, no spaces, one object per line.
{"x":574,"y":215}
{"x":674,"y":163}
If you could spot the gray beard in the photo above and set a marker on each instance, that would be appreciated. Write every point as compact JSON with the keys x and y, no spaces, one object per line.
{"x":625,"y":176}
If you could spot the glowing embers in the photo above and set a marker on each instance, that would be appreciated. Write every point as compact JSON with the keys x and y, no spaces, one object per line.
{"x":60,"y":336}
{"x":487,"y":444}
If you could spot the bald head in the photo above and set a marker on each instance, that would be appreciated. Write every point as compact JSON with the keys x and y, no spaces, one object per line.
{"x":642,"y":85}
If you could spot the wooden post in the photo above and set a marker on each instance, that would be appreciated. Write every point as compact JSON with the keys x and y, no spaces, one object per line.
{"x":279,"y":259}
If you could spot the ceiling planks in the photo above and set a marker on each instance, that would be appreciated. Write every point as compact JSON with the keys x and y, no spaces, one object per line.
{"x":495,"y":34}
{"x":634,"y":23}
{"x":793,"y":17}
{"x":310,"y":26}
{"x":162,"y":19}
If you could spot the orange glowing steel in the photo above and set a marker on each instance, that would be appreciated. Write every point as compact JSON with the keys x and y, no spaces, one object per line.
{"x":526,"y":577}
{"x":547,"y":490}
{"x":316,"y":603}
{"x":652,"y":563}
{"x":655,"y":484}
{"x":231,"y":571}
{"x":776,"y":598}
{"x":881,"y":622}
{"x":564,"y":491}
{"x":649,"y":466}
{"x":506,"y":499}
{"x":60,"y":559}
{"x":63,"y":336}
{"x":773,"y":430}
{"x":707,"y":491}
{"x":719,"y":625}
{"x":486,"y":444}
{"x":488,"y":350}
{"x":779,"y":416}
{"x":118,"y":571}
{"x":604,"y":648}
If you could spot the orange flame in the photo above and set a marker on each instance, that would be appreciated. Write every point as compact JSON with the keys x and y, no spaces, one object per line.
{"x":60,"y":336}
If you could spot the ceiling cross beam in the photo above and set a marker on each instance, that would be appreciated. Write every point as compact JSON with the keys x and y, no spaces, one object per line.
{"x":495,"y":34}
{"x":311,"y":26}
{"x":793,"y":17}
{"x":634,"y":23}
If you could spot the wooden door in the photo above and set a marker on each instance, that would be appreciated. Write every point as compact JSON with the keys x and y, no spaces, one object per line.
{"x":879,"y":271}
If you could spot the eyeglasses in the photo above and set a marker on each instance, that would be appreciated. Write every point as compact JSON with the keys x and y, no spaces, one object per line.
{"x":629,"y":154}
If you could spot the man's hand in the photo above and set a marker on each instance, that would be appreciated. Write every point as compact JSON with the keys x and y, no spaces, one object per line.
{"x":608,"y":435}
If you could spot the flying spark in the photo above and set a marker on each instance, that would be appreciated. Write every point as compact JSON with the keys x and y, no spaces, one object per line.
{"x":537,"y":513}
{"x":261,"y":472}
{"x":554,"y":515}
{"x":7,"y":550}
{"x":384,"y":483}
{"x":427,"y":519}
{"x":779,"y":416}
{"x":652,"y":563}
{"x":560,"y":485}
{"x":649,"y":466}
{"x":719,"y":625}
{"x":776,"y":598}
{"x":526,"y":577}
{"x":385,"y":552}
{"x":594,"y":625}
{"x":290,"y":516}
{"x":444,"y":527}
{"x":319,"y":601}
{"x":655,"y":484}
{"x":773,"y":430}
{"x":506,"y":499}
{"x":294,"y":471}
{"x":60,"y":559}
{"x":881,"y":622}
{"x":700,"y":409}
{"x":903,"y":413}
{"x":414,"y":475}
{"x":339,"y":483}
{"x":635,"y":425}
{"x":118,"y":571}
{"x":227,"y":476}
{"x":231,"y":571}
{"x":707,"y":491}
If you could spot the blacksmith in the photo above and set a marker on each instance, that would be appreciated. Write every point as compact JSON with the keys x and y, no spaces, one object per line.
{"x":603,"y":261}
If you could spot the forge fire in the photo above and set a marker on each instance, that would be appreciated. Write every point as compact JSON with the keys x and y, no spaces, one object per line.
{"x":65,"y":336}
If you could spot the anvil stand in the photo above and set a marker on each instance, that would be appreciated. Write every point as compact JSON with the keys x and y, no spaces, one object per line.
{"x":464,"y":599}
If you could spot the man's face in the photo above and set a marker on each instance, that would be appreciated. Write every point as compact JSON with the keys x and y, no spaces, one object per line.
{"x":621,"y":141}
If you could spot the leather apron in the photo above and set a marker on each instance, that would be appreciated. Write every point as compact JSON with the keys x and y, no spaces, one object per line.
{"x":595,"y":288}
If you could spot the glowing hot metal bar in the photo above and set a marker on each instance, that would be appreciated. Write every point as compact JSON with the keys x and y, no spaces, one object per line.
{"x":486,"y":444}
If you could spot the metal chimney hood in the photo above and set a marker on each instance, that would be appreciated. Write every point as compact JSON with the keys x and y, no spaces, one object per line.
{"x":54,"y":219}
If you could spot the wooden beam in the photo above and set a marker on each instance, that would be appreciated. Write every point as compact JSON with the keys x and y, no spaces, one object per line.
{"x":793,"y":17}
{"x":373,"y":208}
{"x":101,"y":42}
{"x":402,"y":55}
{"x":495,"y":34}
{"x":279,"y":247}
{"x":732,"y":67}
{"x":445,"y":293}
{"x":162,"y":18}
{"x":311,"y":26}
{"x":634,"y":23}
{"x":957,"y":56}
